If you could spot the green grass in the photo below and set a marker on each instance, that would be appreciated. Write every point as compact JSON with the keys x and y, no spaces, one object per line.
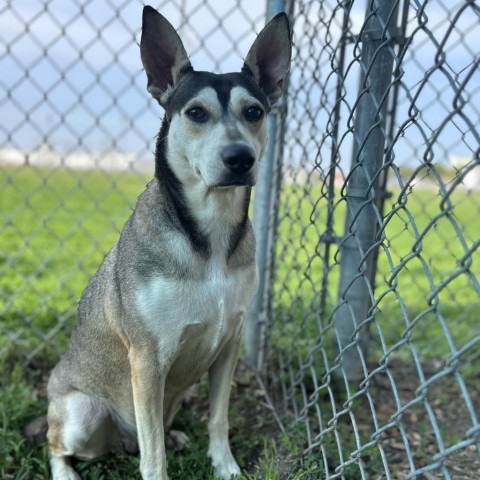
{"x":57,"y":226}
{"x":19,"y":402}
{"x":405,"y":308}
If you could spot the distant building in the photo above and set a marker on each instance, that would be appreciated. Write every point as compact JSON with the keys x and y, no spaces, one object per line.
{"x":48,"y":157}
{"x":471,"y":167}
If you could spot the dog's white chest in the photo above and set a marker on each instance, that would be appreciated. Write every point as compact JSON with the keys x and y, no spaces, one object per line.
{"x":196,"y":317}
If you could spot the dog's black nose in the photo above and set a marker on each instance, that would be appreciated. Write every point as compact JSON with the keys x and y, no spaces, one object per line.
{"x":238,"y":158}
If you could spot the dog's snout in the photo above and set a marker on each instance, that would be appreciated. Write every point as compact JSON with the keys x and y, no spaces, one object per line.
{"x":238,"y":158}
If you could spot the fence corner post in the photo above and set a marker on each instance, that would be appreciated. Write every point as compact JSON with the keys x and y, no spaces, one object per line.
{"x":264,"y":212}
{"x":359,"y":243}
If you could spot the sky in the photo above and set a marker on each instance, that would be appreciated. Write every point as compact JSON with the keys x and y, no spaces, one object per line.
{"x":72,"y":77}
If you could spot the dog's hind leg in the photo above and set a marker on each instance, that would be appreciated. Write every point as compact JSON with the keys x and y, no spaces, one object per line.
{"x":78,"y":425}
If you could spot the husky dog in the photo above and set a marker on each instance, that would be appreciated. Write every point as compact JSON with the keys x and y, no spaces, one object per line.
{"x":169,"y":301}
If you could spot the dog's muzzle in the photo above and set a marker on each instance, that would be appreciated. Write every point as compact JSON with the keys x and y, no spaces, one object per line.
{"x":239,"y":160}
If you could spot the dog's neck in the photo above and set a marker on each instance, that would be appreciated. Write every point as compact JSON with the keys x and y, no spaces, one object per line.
{"x":220,"y":213}
{"x":214,"y":219}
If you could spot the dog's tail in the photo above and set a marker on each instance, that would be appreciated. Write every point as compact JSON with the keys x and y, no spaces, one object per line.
{"x":36,"y":431}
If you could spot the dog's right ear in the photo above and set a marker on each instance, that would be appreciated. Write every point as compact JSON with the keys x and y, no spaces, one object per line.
{"x":163,"y":55}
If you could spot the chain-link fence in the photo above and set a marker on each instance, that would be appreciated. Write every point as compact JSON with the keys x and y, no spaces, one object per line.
{"x":369,"y":313}
{"x":77,"y":133}
{"x":373,"y":337}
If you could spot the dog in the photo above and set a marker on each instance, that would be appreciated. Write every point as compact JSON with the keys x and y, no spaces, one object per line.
{"x":169,"y":300}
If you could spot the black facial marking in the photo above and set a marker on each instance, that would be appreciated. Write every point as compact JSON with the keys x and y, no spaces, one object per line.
{"x":193,"y":82}
{"x":173,"y":189}
{"x":241,"y":229}
{"x":223,"y":90}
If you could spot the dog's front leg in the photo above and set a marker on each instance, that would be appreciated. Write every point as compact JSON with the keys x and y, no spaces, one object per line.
{"x":148,"y":384}
{"x":220,"y":378}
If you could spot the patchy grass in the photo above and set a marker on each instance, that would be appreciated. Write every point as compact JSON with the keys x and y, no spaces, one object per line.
{"x":19,"y":403}
{"x":258,"y":445}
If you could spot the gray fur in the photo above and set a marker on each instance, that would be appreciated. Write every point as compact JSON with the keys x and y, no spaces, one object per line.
{"x":168,"y":302}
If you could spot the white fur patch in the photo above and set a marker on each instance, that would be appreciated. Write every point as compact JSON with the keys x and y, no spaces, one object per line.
{"x":84,"y":430}
{"x":195,"y":148}
{"x":216,"y":304}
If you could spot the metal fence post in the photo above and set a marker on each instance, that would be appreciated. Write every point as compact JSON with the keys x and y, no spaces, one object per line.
{"x":264,"y":216}
{"x":358,"y":245}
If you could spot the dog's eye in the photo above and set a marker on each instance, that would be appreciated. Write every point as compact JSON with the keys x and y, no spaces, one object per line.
{"x":253,"y":114}
{"x":197,"y":114}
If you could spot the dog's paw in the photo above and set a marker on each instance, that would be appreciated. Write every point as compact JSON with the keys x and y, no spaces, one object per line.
{"x":225,"y":466}
{"x":130,"y":445}
{"x":36,"y":430}
{"x":177,"y":440}
{"x":227,"y":470}
{"x":61,"y":469}
{"x":68,"y":473}
{"x":68,"y":476}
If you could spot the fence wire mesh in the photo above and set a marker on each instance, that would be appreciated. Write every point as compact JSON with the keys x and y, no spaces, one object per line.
{"x":373,"y":339}
{"x":376,"y":358}
{"x":76,"y":139}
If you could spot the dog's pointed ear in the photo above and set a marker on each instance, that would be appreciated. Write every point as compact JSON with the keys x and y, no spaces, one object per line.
{"x":163,"y":55}
{"x":268,"y":60}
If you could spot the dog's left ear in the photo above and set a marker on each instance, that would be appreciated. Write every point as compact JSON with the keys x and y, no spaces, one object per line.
{"x":163,"y":55}
{"x":268,"y":60}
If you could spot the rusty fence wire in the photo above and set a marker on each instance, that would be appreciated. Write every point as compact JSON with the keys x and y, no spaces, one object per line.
{"x":369,"y":318}
{"x":373,"y":340}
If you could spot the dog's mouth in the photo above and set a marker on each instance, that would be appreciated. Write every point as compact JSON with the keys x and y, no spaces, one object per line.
{"x":229,"y":180}
{"x":243,"y":181}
